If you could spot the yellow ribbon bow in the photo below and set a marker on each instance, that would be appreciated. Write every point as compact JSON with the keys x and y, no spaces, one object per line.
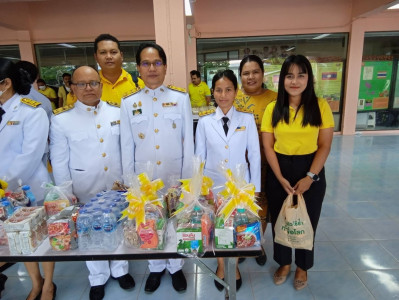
{"x":138,"y":198}
{"x":3,"y":187}
{"x":239,"y":195}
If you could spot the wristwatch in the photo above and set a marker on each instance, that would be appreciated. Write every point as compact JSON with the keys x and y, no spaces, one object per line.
{"x":313,"y":176}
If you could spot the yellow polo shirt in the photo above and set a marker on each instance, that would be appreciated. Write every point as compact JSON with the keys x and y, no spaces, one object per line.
{"x":198,"y":94}
{"x":121,"y":88}
{"x":292,"y":138}
{"x":254,"y":104}
{"x":50,"y":94}
{"x":70,"y":99}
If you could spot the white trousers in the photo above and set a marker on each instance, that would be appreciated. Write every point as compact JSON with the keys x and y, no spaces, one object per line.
{"x":173,"y":265}
{"x":101,"y":270}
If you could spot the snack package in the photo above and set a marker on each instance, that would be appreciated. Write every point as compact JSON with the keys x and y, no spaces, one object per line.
{"x":26,"y":229}
{"x":195,"y":213}
{"x":237,"y":220}
{"x":3,"y":235}
{"x":146,"y":212}
{"x":56,"y":198}
{"x":62,"y":230}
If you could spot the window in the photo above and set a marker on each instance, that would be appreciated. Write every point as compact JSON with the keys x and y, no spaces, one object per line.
{"x":10,"y":52}
{"x":327,"y":53}
{"x":378,"y":100}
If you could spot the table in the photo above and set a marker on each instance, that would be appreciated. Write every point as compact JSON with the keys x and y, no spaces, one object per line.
{"x":45,"y":253}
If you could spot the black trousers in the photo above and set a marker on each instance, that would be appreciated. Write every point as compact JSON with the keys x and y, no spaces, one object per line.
{"x":294,"y":168}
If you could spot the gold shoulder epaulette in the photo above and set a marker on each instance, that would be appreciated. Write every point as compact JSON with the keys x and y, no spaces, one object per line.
{"x":175,"y":88}
{"x":62,"y":109}
{"x":244,"y":110}
{"x":138,"y":89}
{"x":30,"y":102}
{"x":113,"y":104}
{"x":206,"y":112}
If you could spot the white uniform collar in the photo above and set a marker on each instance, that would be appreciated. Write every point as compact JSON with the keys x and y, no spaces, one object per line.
{"x":88,"y":108}
{"x":151,"y":92}
{"x":219,"y":114}
{"x":11,"y":102}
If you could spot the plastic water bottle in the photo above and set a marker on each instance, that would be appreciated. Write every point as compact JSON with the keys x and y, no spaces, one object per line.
{"x":196,"y":216}
{"x":241,"y":217}
{"x":83,"y":225}
{"x":29,"y":194}
{"x":97,"y":229}
{"x":110,"y":240}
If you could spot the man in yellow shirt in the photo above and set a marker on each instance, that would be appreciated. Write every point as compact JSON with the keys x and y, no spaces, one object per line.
{"x":199,"y":92}
{"x":48,"y":92}
{"x":117,"y":83}
{"x":64,"y":89}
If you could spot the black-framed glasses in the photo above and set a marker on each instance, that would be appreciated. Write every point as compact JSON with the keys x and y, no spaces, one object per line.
{"x":148,"y":64}
{"x":82,"y":85}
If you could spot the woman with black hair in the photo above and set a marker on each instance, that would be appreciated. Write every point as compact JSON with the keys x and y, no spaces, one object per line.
{"x":254,"y":97}
{"x":231,"y":136}
{"x":297,"y":132}
{"x":24,"y":129}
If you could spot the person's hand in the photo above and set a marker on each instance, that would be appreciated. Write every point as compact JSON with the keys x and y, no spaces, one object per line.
{"x":257,"y":194}
{"x":287,"y":186}
{"x":303,"y":185}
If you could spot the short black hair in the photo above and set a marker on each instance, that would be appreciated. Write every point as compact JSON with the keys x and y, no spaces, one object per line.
{"x":65,"y":74}
{"x":20,"y":78}
{"x":105,"y":37}
{"x":195,"y":72}
{"x":40,"y":81}
{"x":250,"y":58}
{"x":143,"y":46}
{"x":30,"y":68}
{"x":229,"y":74}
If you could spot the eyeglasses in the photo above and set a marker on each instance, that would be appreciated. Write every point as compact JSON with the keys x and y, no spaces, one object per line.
{"x":82,"y":85}
{"x":147,"y":64}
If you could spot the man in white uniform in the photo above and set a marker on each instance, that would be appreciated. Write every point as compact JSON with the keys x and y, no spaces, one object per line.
{"x":156,"y":126}
{"x":85,"y":148}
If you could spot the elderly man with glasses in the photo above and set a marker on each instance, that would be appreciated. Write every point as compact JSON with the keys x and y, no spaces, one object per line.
{"x":85,"y":149}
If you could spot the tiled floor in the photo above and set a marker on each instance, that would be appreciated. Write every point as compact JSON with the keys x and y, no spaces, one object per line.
{"x":357,"y":242}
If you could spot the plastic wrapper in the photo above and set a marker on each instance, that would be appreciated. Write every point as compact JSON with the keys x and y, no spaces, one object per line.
{"x":26,"y":229}
{"x":62,"y":230}
{"x":146,"y":213}
{"x":3,"y":235}
{"x":237,"y":223}
{"x":56,"y":198}
{"x":194,"y":213}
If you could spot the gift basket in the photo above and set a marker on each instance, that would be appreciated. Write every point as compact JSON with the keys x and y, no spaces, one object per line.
{"x":146,"y":213}
{"x":194,"y":213}
{"x":237,"y":223}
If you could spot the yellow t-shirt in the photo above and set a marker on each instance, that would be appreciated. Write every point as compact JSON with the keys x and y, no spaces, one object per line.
{"x":70,"y":99}
{"x":292,"y":138}
{"x":121,"y":88}
{"x":48,"y":92}
{"x":198,"y":94}
{"x":62,"y":93}
{"x":255,"y":104}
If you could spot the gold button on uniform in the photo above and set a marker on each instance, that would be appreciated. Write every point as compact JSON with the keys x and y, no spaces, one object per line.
{"x":104,"y":154}
{"x":105,"y":169}
{"x":101,"y":140}
{"x":95,"y":112}
{"x":157,"y":147}
{"x":156,"y":130}
{"x":155,"y":115}
{"x":98,"y":126}
{"x":158,"y":162}
{"x":154,"y":99}
{"x":227,"y":147}
{"x":226,"y":160}
{"x":88,"y":109}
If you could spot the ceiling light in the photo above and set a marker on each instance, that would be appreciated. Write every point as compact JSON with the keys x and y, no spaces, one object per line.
{"x":396,"y":6}
{"x":187,"y":8}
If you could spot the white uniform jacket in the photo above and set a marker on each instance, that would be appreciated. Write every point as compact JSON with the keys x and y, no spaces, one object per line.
{"x":85,"y":148}
{"x":213,"y":146}
{"x":23,"y":140}
{"x":157,"y":126}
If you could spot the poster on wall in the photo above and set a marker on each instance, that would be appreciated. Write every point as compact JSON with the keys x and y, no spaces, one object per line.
{"x":396,"y":97}
{"x":375,"y":83}
{"x":328,"y":80}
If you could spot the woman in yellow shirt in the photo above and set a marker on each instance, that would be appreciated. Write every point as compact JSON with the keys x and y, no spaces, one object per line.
{"x":254,"y":97}
{"x":297,"y":132}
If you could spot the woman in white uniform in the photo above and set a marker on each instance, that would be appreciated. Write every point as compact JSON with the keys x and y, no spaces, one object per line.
{"x":24,"y":129}
{"x":227,"y":135}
